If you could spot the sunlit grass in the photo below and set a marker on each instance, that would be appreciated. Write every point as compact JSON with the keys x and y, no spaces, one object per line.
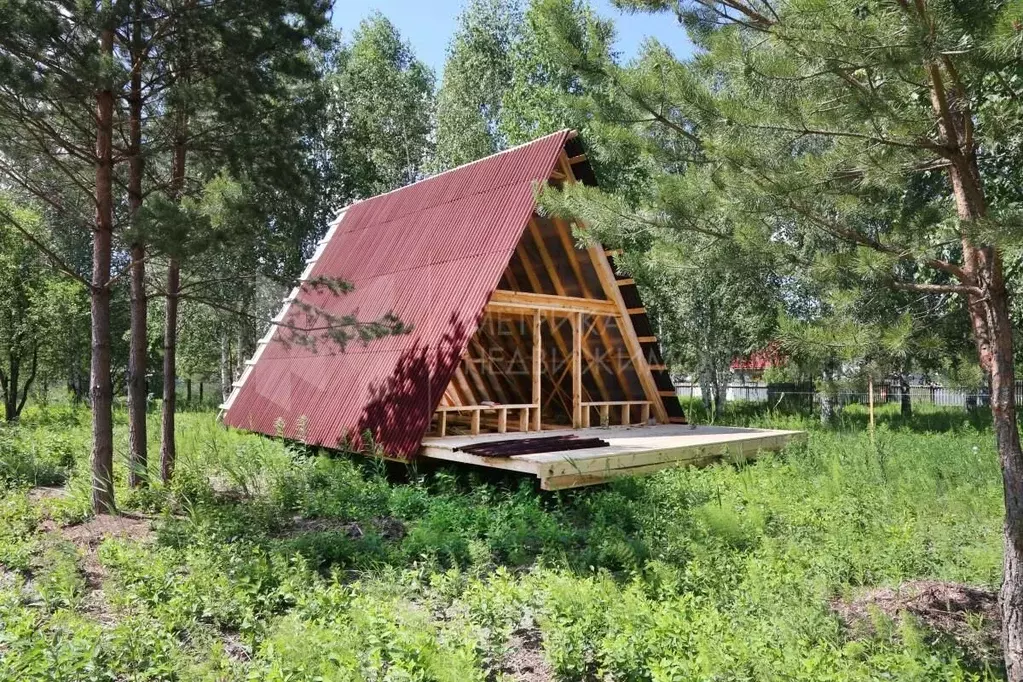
{"x":274,"y":562}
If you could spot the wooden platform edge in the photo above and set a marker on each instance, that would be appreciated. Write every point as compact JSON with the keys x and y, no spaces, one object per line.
{"x":735,"y":451}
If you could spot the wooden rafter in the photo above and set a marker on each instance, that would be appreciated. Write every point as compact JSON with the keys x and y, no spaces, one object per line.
{"x":611,"y":287}
{"x":565,"y":233}
{"x":559,"y":286}
{"x":534,"y":281}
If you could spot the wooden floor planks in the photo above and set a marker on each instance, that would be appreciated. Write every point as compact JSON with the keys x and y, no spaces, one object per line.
{"x":630,"y":451}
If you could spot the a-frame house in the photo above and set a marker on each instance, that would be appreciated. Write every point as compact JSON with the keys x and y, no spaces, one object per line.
{"x":514,"y":330}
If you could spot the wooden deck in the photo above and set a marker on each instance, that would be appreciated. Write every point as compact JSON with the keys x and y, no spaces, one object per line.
{"x":630,"y":451}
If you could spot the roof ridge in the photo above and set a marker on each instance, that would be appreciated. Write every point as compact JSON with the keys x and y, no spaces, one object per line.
{"x":340,"y":214}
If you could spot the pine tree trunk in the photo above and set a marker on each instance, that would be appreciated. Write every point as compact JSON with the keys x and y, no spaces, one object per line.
{"x":168,"y":449}
{"x":906,"y":406}
{"x":138,"y":454}
{"x":992,"y":332}
{"x":101,"y":388}
{"x":827,"y":398}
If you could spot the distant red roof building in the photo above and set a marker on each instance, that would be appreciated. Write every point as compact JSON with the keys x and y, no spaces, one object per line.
{"x":760,"y":360}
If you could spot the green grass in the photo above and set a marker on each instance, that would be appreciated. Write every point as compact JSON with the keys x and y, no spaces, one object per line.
{"x":272,"y":562}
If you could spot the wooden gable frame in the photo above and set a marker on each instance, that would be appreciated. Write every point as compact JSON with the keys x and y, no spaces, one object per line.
{"x":540,"y":356}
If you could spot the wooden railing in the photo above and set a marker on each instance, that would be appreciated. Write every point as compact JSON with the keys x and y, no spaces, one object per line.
{"x":604,"y":410}
{"x":477,"y":410}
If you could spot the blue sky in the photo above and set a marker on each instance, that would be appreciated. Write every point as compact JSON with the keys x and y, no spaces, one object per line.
{"x":428,"y":25}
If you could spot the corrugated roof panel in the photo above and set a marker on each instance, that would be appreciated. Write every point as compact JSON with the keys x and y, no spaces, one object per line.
{"x":432,"y":253}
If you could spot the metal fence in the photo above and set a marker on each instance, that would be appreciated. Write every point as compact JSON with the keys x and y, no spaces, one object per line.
{"x":797,"y":395}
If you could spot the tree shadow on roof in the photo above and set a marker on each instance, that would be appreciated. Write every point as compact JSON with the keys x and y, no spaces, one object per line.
{"x":400,"y":409}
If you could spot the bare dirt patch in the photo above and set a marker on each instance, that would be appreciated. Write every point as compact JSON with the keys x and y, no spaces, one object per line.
{"x":87,"y":537}
{"x":524,"y":661}
{"x":46,"y":492}
{"x":90,"y":534}
{"x":966,"y":615}
{"x":387,"y":527}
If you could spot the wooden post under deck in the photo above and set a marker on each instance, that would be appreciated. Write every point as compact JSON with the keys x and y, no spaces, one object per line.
{"x":537,"y":368}
{"x":577,"y":370}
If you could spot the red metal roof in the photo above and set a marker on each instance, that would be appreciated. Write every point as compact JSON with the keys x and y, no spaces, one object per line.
{"x":759,"y":360}
{"x":431,"y":253}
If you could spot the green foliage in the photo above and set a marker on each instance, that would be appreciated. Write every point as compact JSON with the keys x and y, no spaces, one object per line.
{"x":476,"y":76}
{"x":272,"y":562}
{"x":382,"y":104}
{"x":39,"y":456}
{"x":37,"y":305}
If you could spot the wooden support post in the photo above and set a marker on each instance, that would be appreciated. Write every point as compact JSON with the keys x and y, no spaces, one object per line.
{"x":645,"y":414}
{"x":605,"y":415}
{"x":537,"y":368}
{"x":474,"y":426}
{"x":626,"y":414}
{"x":502,"y":420}
{"x":524,"y":418}
{"x":577,"y":369}
{"x":443,"y":424}
{"x":586,"y":416}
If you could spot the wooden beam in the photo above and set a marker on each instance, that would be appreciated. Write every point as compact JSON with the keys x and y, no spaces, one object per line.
{"x":579,"y":158}
{"x":537,"y":368}
{"x":483,"y":408}
{"x":534,"y":281}
{"x":484,"y":391}
{"x":646,"y":378}
{"x":647,"y":339}
{"x":517,"y":301}
{"x":609,"y":280}
{"x":474,"y":427}
{"x":487,"y":372}
{"x":565,"y":235}
{"x":502,"y":420}
{"x":559,"y":287}
{"x":637,"y":311}
{"x":577,"y":370}
{"x":462,"y":387}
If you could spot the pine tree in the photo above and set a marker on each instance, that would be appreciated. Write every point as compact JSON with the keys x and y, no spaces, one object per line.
{"x":795,"y":118}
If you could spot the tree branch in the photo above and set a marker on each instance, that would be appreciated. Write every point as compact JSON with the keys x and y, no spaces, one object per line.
{"x":54,"y":259}
{"x":961,"y":289}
